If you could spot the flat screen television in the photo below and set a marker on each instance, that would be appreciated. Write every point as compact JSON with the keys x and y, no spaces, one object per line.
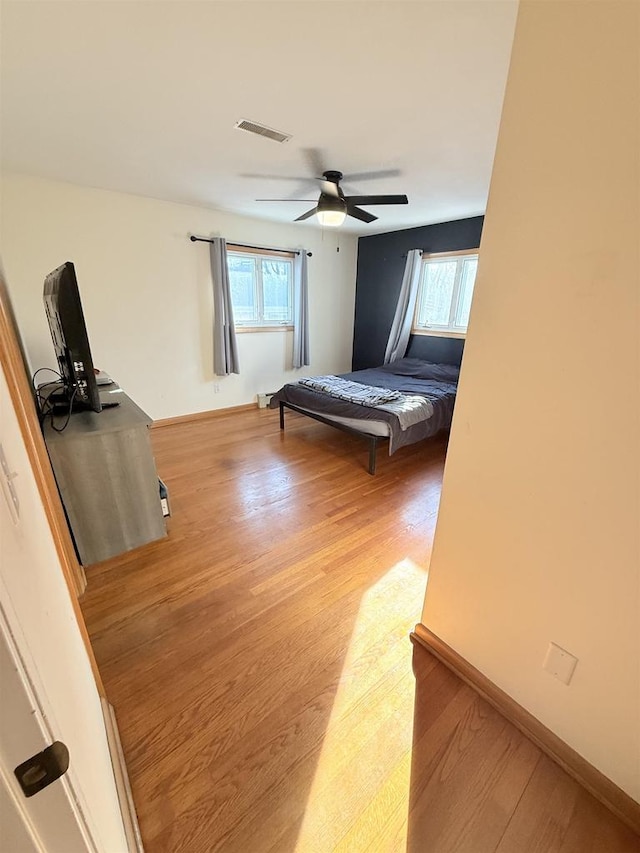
{"x":79,"y":388}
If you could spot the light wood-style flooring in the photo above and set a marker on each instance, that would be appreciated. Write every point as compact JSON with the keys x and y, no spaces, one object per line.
{"x":260,"y":665}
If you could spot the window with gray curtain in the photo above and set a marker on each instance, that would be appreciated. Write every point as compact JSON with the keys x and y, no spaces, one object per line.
{"x":261,"y":284}
{"x":403,"y":319}
{"x":225,"y":351}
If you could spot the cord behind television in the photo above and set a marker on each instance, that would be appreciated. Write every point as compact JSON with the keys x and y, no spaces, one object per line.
{"x":40,"y":399}
{"x":66,"y":423}
{"x":50,"y":370}
{"x":45,"y":406}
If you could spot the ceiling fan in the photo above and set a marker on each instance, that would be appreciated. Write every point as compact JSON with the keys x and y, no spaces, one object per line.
{"x":333,"y":206}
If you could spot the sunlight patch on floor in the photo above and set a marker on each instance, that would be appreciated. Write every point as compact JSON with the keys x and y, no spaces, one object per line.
{"x":360,"y":793}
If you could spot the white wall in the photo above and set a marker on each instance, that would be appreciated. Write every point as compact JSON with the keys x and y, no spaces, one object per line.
{"x":146,"y":291}
{"x":537,"y":538}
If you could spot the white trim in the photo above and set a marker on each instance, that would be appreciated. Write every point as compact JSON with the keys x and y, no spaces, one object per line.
{"x":435,"y":255}
{"x":258,"y":290}
{"x":121,"y":776}
{"x":285,"y":327}
{"x":432,"y":333}
{"x":18,"y":807}
{"x":449,"y":329}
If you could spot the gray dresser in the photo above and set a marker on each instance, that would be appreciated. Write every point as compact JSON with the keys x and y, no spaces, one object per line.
{"x":106,"y":475}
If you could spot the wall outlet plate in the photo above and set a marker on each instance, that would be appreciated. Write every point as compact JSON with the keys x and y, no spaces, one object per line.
{"x":560,"y":663}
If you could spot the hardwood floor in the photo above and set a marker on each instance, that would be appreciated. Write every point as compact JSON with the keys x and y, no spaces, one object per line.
{"x":260,"y":665}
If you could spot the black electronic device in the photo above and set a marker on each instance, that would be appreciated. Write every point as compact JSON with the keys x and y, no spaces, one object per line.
{"x":79,"y":389}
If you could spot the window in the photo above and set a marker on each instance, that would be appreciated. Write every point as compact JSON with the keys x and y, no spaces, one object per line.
{"x":444,"y":293}
{"x":261,"y":288}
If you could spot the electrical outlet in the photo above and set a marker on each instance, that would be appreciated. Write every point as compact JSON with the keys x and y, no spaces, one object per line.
{"x":560,"y":663}
{"x":216,"y":387}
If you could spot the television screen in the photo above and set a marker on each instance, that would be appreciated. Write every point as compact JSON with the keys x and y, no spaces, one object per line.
{"x":70,"y":341}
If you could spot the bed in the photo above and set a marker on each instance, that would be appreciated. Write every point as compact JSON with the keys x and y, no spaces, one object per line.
{"x":403,"y":402}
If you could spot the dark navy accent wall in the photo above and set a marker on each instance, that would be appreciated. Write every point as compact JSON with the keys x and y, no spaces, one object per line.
{"x":381,"y":261}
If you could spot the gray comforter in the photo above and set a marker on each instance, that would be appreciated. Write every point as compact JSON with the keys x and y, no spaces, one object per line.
{"x":410,"y":408}
{"x":440,"y":392}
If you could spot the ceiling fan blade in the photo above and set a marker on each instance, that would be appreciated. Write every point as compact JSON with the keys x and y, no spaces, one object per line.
{"x":306,"y":180}
{"x":305,"y":200}
{"x":329,"y":188}
{"x":314,"y":159}
{"x":378,"y":199}
{"x":306,"y":215}
{"x":371,"y":176}
{"x":362,"y":215}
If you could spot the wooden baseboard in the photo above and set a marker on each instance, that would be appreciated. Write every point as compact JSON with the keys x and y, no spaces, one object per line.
{"x":203,"y":416}
{"x":125,"y":797}
{"x":603,"y":789}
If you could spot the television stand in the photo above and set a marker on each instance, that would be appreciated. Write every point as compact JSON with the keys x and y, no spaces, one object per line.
{"x":106,"y":475}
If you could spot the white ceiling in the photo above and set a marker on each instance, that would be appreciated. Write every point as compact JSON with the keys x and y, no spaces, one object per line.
{"x":142,"y":97}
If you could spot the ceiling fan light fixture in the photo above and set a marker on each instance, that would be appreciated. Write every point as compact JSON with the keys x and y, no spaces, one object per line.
{"x":331,"y":211}
{"x":333,"y":218}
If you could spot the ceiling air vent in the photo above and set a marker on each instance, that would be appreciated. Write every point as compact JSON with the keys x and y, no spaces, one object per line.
{"x":261,"y":130}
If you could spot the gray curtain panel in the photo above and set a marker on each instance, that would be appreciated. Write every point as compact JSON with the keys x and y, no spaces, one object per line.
{"x":403,"y":319}
{"x":300,"y":311}
{"x":225,"y":351}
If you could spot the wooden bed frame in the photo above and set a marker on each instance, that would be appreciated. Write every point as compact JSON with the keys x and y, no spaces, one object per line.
{"x":373,"y":440}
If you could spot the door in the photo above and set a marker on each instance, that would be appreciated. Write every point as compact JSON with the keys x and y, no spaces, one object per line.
{"x":48,"y":821}
{"x":48,"y":689}
{"x":16,"y":834}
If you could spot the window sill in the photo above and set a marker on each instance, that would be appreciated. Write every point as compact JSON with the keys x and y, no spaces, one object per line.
{"x":435,"y":334}
{"x":241,"y":330}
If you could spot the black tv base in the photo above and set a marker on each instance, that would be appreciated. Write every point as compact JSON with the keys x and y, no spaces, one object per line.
{"x":56,"y":400}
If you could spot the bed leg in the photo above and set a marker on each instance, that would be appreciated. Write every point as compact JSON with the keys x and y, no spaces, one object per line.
{"x":373,"y":443}
{"x":281,"y":415}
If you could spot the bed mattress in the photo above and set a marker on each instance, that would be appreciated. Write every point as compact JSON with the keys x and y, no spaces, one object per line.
{"x":440,"y":392}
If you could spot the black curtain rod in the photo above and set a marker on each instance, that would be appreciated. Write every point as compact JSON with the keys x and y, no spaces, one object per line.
{"x":249,"y":246}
